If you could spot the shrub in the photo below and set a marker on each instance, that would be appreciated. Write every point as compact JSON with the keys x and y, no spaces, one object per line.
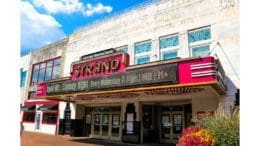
{"x":224,"y":128}
{"x":196,"y":136}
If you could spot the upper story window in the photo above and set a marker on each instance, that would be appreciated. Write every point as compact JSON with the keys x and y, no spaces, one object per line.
{"x":122,"y":49}
{"x":142,"y":60}
{"x":169,"y":47}
{"x":45,"y":71}
{"x":143,"y":51}
{"x":199,"y":41}
{"x":22,"y":77}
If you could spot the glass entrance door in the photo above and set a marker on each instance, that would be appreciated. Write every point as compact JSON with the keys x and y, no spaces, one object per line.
{"x":115,"y":125}
{"x":166,"y":127}
{"x":106,"y":125}
{"x":172,"y":124}
{"x":101,"y":125}
{"x":97,"y":124}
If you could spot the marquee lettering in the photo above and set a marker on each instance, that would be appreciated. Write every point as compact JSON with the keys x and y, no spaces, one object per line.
{"x":98,"y":67}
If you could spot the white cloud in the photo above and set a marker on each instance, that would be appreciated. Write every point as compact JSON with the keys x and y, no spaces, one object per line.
{"x":37,"y":29}
{"x":59,"y":6}
{"x":99,"y":8}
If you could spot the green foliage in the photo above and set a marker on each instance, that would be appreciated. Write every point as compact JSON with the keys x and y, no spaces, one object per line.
{"x":224,"y":128}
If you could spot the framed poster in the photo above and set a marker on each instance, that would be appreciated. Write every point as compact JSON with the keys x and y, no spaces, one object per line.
{"x":115,"y":120}
{"x":88,"y":119}
{"x":165,"y":120}
{"x":130,"y":117}
{"x":129,"y":127}
{"x":97,"y":119}
{"x":105,"y":119}
{"x":177,"y":119}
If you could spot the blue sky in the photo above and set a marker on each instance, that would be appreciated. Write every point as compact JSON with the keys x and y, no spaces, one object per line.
{"x":47,"y":21}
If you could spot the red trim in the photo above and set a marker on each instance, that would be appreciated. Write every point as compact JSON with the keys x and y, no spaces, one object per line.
{"x":41,"y":102}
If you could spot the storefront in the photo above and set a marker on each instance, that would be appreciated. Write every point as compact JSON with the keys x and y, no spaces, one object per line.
{"x":40,"y":116}
{"x":138,"y":104}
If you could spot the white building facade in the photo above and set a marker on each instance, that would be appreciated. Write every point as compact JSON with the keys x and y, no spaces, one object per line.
{"x":193,"y":27}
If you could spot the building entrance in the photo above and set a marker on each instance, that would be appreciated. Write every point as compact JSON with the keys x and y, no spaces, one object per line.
{"x":172,"y":124}
{"x":150,"y":123}
{"x":164,"y":122}
{"x":173,"y":119}
{"x":105,"y":123}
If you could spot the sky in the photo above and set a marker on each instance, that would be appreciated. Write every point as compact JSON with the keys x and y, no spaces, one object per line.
{"x":47,"y":21}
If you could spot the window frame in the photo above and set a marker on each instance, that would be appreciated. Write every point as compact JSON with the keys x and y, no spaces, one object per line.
{"x":201,"y":43}
{"x":120,"y":49}
{"x":31,"y":112}
{"x":45,"y":68}
{"x":169,"y":51}
{"x":171,"y":48}
{"x":49,"y":113}
{"x":23,"y":76}
{"x":143,"y":54}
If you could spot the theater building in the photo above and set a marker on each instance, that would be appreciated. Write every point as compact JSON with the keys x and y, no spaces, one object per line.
{"x":140,"y":75}
{"x":150,"y":102}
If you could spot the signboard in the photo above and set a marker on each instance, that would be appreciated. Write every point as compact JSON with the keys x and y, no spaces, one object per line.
{"x":99,"y":67}
{"x":41,"y":90}
{"x":141,"y":76}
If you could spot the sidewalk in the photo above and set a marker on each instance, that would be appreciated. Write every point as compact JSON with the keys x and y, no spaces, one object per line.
{"x":39,"y":139}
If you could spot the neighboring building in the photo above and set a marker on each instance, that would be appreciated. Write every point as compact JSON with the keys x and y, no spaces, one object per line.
{"x":46,"y":63}
{"x":172,"y":60}
{"x":24,"y":67}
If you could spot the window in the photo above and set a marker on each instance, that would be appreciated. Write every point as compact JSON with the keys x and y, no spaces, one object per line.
{"x":169,"y":41}
{"x":143,"y":60}
{"x":49,"y":118}
{"x":169,"y":55}
{"x":169,"y":46}
{"x":32,"y":95}
{"x":143,"y":47}
{"x":122,"y":49}
{"x":28,"y":116}
{"x":45,"y":71}
{"x":199,"y":41}
{"x":143,"y":52}
{"x":22,"y":77}
{"x":200,"y":51}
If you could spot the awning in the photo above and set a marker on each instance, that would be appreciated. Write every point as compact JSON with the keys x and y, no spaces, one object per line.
{"x":47,"y":107}
{"x":28,"y":108}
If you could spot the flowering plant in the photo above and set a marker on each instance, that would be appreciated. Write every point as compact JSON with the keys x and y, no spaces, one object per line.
{"x":196,"y":136}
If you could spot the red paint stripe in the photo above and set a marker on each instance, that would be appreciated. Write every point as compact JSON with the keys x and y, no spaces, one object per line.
{"x":41,"y":102}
